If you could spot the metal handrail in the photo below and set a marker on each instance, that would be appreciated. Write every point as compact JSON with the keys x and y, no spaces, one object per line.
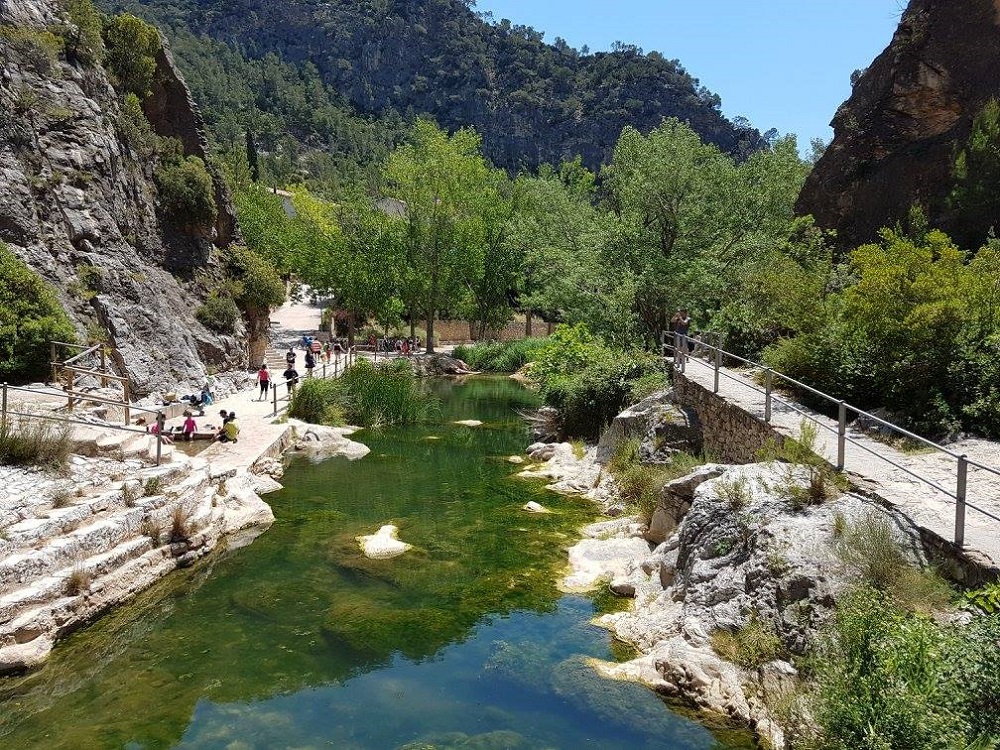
{"x":6,"y":413}
{"x":350,"y":357}
{"x":683,"y":344}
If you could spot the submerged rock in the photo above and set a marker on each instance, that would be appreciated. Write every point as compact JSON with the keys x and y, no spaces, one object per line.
{"x":515,"y":460}
{"x":383,"y":545}
{"x":533,"y":507}
{"x":469,"y":423}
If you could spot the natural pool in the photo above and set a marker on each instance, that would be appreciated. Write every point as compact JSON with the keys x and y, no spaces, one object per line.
{"x":298,"y":641}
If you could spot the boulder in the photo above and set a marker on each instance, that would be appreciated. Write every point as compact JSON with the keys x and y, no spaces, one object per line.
{"x":662,"y":427}
{"x":383,"y":544}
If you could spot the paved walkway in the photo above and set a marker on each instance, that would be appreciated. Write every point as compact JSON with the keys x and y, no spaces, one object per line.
{"x":926,"y":506}
{"x":259,"y":435}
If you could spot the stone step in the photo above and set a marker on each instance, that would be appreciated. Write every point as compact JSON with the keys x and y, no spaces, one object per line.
{"x":41,"y":545}
{"x":55,"y":586}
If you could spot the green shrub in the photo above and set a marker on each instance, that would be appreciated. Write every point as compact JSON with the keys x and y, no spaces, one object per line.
{"x":83,"y":39}
{"x":872,"y":551}
{"x":35,"y":443}
{"x":887,"y":678}
{"x":639,"y":484}
{"x":367,"y":395}
{"x":30,"y":317}
{"x":132,"y":46}
{"x":218,"y":313}
{"x":387,"y":393}
{"x":40,"y":49}
{"x":135,"y":129}
{"x":501,"y":356}
{"x":589,"y":382}
{"x":187,"y":193}
{"x":318,"y":402}
{"x":751,"y":646}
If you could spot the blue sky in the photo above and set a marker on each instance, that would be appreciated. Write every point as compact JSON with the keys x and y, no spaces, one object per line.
{"x":782,"y":64}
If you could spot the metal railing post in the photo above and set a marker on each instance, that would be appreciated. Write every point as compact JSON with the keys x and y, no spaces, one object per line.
{"x":960,"y":493}
{"x":767,"y":394}
{"x":127,"y":398}
{"x":324,"y":371}
{"x":159,"y":447}
{"x":3,"y":410}
{"x":274,"y":396}
{"x":718,"y":366}
{"x":841,"y":434}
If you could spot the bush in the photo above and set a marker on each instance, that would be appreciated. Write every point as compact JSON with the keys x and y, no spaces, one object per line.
{"x":83,"y":40}
{"x":501,"y":356}
{"x":40,"y":49}
{"x":751,"y":646}
{"x":187,"y":193}
{"x":317,"y":402}
{"x":30,"y":317}
{"x":135,"y":129}
{"x":639,"y":484}
{"x":886,"y":678}
{"x":35,"y":443}
{"x":367,"y":395}
{"x":388,"y":393}
{"x":132,"y":46}
{"x":218,"y":313}
{"x":589,"y":382}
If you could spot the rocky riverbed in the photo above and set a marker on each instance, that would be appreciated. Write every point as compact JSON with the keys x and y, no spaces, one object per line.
{"x":723,"y":550}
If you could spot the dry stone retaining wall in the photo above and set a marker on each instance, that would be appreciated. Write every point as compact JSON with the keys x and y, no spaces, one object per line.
{"x":730,"y":434}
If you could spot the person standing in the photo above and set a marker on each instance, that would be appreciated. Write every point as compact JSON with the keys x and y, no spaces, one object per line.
{"x":310,"y":363}
{"x":681,"y":324}
{"x":290,"y":357}
{"x":264,"y":380}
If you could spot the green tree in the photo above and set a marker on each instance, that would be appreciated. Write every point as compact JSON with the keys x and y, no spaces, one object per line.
{"x":30,"y":317}
{"x":975,"y":199}
{"x":448,"y":191}
{"x":257,"y":289}
{"x":187,"y":193}
{"x":132,"y":46}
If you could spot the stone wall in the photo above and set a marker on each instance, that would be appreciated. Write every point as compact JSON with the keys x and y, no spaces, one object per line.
{"x":730,"y":434}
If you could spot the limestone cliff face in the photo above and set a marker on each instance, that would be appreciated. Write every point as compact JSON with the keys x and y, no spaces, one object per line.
{"x":74,"y":197}
{"x":897,"y":136}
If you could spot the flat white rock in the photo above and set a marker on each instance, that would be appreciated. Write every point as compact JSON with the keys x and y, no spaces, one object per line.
{"x":383,"y":545}
{"x":515,"y":460}
{"x":469,"y":423}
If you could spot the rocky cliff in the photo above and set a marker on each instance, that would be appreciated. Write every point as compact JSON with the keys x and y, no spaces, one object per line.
{"x":79,"y":206}
{"x":897,"y":136}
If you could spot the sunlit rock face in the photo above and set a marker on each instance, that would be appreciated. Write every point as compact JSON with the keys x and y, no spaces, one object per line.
{"x":896,"y":137}
{"x":80,"y":206}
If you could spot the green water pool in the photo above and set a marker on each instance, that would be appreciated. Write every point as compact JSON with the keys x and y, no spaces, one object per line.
{"x":298,"y":641}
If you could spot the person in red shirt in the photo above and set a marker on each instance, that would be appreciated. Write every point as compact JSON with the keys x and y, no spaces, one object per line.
{"x":264,"y":379}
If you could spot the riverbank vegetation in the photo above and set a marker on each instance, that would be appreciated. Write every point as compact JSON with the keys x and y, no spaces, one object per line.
{"x":367,"y":395}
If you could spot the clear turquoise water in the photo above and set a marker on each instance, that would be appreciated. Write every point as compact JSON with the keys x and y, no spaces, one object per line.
{"x":298,"y":641}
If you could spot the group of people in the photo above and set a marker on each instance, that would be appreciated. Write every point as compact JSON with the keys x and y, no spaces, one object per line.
{"x":403,"y":346}
{"x":228,"y":433}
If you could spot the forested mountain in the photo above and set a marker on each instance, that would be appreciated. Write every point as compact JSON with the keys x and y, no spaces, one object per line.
{"x":532,"y":102}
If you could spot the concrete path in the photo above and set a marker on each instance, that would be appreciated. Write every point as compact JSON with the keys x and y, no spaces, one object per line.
{"x":259,"y":435}
{"x":869,"y":458}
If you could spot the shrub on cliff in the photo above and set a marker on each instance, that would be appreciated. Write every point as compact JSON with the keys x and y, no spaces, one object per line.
{"x":39,"y":49}
{"x":132,"y":46}
{"x":218,"y":313}
{"x":83,"y":37}
{"x":30,"y":317}
{"x":187,"y":192}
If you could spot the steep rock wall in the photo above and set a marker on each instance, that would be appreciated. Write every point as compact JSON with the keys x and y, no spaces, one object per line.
{"x":75,"y":197}
{"x":897,"y":136}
